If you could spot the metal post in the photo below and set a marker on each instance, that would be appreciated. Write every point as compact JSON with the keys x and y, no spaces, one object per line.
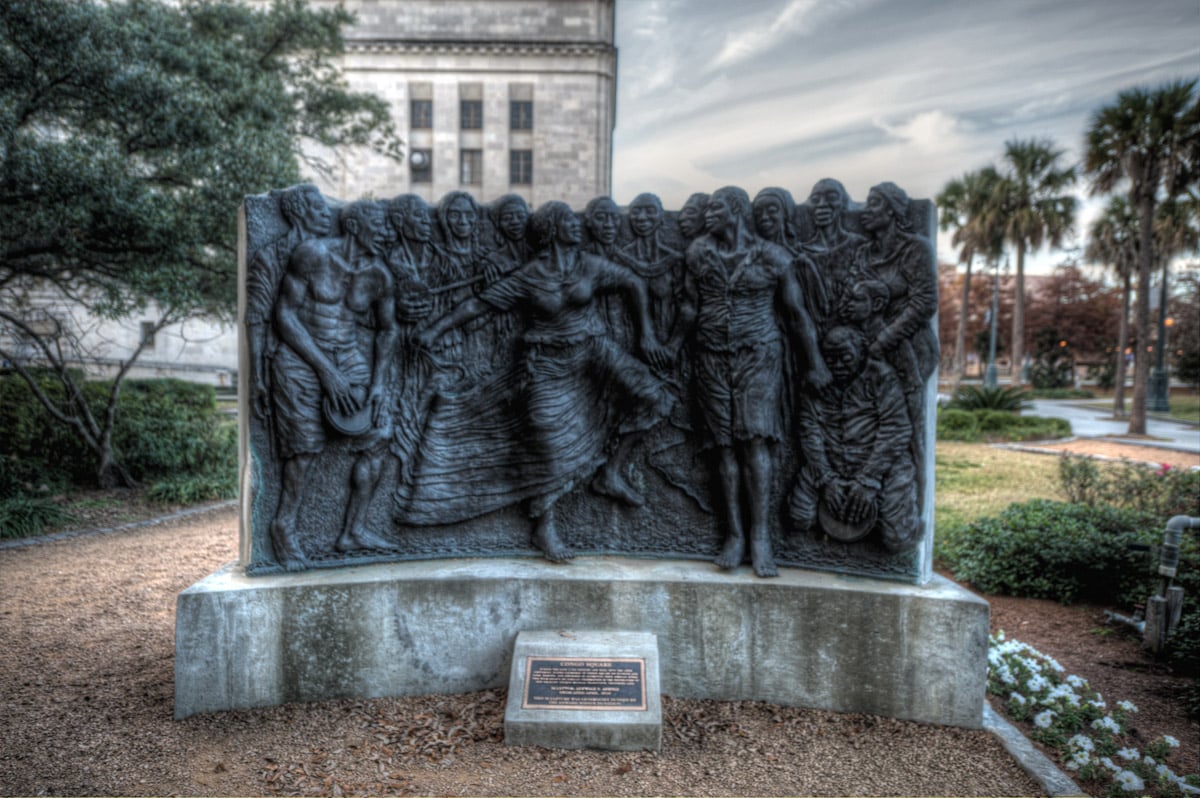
{"x":989,"y":375}
{"x":1158,"y":386}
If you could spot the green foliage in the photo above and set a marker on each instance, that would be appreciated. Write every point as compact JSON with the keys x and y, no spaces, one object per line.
{"x":129,"y":133}
{"x":26,"y":516}
{"x":193,"y":488}
{"x":1161,"y":492}
{"x":1057,"y":550}
{"x":957,"y":425}
{"x":975,"y":397}
{"x":997,"y":425}
{"x":162,"y":428}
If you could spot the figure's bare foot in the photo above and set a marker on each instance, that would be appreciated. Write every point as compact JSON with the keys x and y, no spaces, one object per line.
{"x":545,"y":537}
{"x":763,"y":557}
{"x":609,"y":482}
{"x":358,"y":538}
{"x":732,"y":552}
{"x":287,"y":553}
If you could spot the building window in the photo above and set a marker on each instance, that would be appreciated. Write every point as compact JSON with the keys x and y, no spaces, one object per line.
{"x":520,"y":114}
{"x":421,"y":114}
{"x":471,"y":162}
{"x":520,"y":167}
{"x":471,"y":114}
{"x":148,"y":334}
{"x":420,"y":162}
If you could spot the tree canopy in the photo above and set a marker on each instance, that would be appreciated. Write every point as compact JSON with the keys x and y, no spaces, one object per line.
{"x":129,"y":132}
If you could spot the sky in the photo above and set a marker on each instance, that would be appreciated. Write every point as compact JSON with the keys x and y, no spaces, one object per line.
{"x":785,"y":92}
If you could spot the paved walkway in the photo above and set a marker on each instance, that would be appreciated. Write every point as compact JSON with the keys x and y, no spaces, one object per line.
{"x":1088,"y":421}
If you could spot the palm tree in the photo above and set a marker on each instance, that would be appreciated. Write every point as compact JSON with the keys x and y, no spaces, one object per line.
{"x":967,"y":207}
{"x":1035,"y":210}
{"x":1112,"y":240}
{"x":1150,"y":138}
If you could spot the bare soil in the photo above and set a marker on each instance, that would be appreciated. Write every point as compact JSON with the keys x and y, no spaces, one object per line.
{"x":1112,"y":450}
{"x":86,"y":693}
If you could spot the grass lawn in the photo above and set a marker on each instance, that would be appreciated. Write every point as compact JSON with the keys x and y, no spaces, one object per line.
{"x":974,"y":480}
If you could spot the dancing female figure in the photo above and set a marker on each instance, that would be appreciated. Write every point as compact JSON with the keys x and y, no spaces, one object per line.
{"x":571,"y":366}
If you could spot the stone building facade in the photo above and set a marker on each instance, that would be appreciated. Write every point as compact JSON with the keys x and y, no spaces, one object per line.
{"x":491,"y":97}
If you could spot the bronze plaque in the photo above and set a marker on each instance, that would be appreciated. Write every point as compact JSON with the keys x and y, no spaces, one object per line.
{"x":605,"y":683}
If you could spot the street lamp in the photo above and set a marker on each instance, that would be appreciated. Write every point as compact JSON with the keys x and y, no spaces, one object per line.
{"x":1158,"y":386}
{"x":989,"y":374}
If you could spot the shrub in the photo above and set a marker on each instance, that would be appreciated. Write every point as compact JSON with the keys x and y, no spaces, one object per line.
{"x":26,"y":516}
{"x":973,"y":397}
{"x":957,"y":425}
{"x":1162,"y":492}
{"x":1057,"y":550}
{"x":163,"y":428}
{"x":193,"y":488}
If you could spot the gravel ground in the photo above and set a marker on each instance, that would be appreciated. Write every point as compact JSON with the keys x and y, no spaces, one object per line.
{"x":86,"y":690}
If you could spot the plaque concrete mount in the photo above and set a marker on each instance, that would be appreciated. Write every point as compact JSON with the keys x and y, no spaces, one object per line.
{"x":608,"y":729}
{"x":827,"y":641}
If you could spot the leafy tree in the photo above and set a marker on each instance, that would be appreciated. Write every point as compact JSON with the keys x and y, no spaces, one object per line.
{"x":129,"y":132}
{"x":967,"y":205}
{"x":1185,"y":335}
{"x":1034,"y":210}
{"x":1148,"y":139}
{"x":1112,"y":240}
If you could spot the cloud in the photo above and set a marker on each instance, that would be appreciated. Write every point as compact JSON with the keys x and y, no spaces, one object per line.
{"x":929,"y":132}
{"x":795,"y":19}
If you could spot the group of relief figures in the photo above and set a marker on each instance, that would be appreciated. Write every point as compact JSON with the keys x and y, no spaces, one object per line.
{"x":505,"y":356}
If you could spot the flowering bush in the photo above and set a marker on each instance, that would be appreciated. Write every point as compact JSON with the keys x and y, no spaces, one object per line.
{"x":1066,"y":714}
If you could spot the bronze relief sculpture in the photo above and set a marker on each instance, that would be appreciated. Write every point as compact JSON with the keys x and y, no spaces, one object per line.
{"x":740,"y":381}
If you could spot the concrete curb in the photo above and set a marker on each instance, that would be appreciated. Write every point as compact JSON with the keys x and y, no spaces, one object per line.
{"x":1056,"y":783}
{"x":20,"y":543}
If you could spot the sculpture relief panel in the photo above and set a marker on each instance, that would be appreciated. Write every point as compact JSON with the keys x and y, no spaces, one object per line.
{"x":742,"y":380}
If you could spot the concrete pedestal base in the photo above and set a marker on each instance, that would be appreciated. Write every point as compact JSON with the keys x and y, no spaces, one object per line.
{"x":413,"y":628}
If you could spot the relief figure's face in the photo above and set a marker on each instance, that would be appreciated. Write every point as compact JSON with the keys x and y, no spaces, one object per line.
{"x":768,"y":217}
{"x":827,"y":203}
{"x":373,"y":233}
{"x":718,"y":217}
{"x":460,"y":218}
{"x":603,"y":222}
{"x":570,"y":229}
{"x":691,"y":219}
{"x":513,"y":220}
{"x":844,"y":360}
{"x":644,"y":218}
{"x":877,"y":214}
{"x":855,"y":306}
{"x":318,"y":219}
{"x":417,"y":225}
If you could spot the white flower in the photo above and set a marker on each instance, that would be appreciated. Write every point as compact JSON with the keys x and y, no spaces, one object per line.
{"x":1020,"y":699}
{"x":1076,"y":681}
{"x":1129,"y":781}
{"x":1108,"y":763}
{"x":1149,"y":760}
{"x":1164,"y":772}
{"x":1036,"y":684}
{"x":1098,"y":703}
{"x":1108,"y":723}
{"x":1127,"y":706}
{"x":1053,"y":663}
{"x":1171,"y":741}
{"x":1128,"y":753}
{"x":1043,"y":719}
{"x":1081,"y":742}
{"x":1078,"y":760}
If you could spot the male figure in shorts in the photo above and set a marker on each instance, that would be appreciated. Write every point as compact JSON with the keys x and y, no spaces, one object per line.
{"x":325,"y":384}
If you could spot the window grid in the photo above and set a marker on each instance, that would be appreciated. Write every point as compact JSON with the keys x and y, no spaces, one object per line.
{"x":520,"y":114}
{"x":471,"y":114}
{"x":471,"y":167}
{"x":421,"y":114}
{"x":520,"y":167}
